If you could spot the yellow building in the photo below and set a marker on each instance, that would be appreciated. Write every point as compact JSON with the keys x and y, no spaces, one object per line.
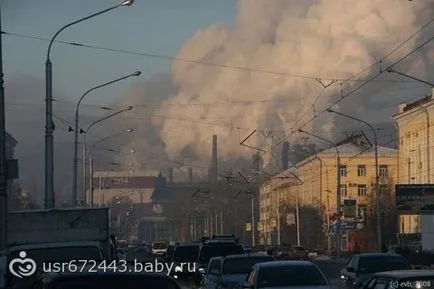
{"x":316,"y":196}
{"x":416,"y":155}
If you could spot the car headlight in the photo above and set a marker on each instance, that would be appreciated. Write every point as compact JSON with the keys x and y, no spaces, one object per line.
{"x":202,"y":270}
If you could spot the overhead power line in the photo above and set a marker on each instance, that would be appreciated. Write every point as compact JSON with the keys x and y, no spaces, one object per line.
{"x":195,"y":61}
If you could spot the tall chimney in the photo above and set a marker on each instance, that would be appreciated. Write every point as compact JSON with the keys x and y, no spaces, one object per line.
{"x":284,"y":156}
{"x":256,"y":162}
{"x":190,"y":175}
{"x":171,"y":176}
{"x":214,"y":168}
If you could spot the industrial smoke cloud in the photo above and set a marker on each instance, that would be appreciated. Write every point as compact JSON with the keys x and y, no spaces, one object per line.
{"x":328,"y":39}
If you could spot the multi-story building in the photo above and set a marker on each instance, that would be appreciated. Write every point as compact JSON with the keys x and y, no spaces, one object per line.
{"x":315,"y":199}
{"x":416,"y":155}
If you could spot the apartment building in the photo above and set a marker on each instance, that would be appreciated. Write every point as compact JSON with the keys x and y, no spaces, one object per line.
{"x":315,"y":196}
{"x":416,"y":154}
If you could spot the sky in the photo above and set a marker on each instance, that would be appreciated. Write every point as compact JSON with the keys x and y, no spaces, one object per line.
{"x":152,"y":26}
{"x":278,"y":64}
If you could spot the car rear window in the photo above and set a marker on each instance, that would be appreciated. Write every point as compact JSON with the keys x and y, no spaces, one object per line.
{"x":209,"y":251}
{"x":186,"y":253}
{"x":374,"y":264}
{"x":288,"y":276}
{"x":243,"y":265}
{"x":159,"y":246}
{"x":116,"y":282}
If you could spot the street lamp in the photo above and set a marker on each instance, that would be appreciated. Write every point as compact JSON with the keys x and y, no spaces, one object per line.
{"x":377,"y":177}
{"x":84,"y":148}
{"x":49,"y":125}
{"x":338,"y":191}
{"x":75,"y":161}
{"x":111,"y":136}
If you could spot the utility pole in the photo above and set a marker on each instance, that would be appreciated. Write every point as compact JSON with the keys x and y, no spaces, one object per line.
{"x":3,"y":165}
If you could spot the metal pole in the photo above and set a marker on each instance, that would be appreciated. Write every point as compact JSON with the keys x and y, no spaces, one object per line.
{"x":338,"y":188}
{"x":49,"y":146}
{"x":278,"y":218}
{"x":85,"y":168}
{"x":91,"y":180}
{"x":49,"y":127}
{"x":3,"y":164}
{"x":328,"y":222}
{"x":76,"y":130}
{"x":338,"y":207}
{"x":297,"y":213}
{"x":377,"y":177}
{"x":221,"y":222}
{"x":377,"y":192}
{"x":253,"y":219}
{"x":75,"y":160}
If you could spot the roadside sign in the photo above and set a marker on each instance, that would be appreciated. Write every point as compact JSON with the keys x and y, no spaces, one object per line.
{"x":248,"y":227}
{"x":415,"y":198}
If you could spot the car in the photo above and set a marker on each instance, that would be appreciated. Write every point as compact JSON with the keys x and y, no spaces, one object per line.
{"x":401,"y":279}
{"x":361,"y":267}
{"x":159,"y":249}
{"x":106,"y":280}
{"x":286,"y":274}
{"x":299,"y":252}
{"x":234,"y":270}
{"x":211,"y":274}
{"x":185,"y":255}
{"x":215,"y":248}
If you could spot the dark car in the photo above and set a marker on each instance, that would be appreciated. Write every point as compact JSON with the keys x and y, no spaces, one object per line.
{"x":215,"y":248}
{"x":402,"y":279}
{"x":184,"y":257}
{"x":236,"y":268}
{"x":106,"y":280}
{"x":361,"y":267}
{"x":299,"y":253}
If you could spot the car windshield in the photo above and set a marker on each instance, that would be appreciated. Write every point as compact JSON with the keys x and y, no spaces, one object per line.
{"x":288,"y":276}
{"x":209,"y":252}
{"x":61,"y":254}
{"x":186,"y":253}
{"x":116,"y":282}
{"x":382,"y":264}
{"x":243,"y":265}
{"x":159,"y":246}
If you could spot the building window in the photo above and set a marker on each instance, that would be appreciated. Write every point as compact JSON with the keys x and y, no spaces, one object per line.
{"x":382,"y":170}
{"x":361,"y":190}
{"x":343,"y":190}
{"x":343,"y":171}
{"x":383,"y":189}
{"x":361,"y":170}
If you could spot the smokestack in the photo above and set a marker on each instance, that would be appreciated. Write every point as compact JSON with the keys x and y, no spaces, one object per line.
{"x":190,"y":175}
{"x":214,"y":160}
{"x":284,"y":156}
{"x":256,"y":162}
{"x":171,"y":176}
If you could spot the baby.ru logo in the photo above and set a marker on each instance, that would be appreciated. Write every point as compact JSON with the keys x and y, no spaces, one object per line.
{"x":22,"y":266}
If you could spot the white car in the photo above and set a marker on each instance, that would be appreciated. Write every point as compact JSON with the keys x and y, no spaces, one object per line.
{"x":286,"y":275}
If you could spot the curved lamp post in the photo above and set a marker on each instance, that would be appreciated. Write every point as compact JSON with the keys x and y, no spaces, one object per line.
{"x":76,"y":130}
{"x":338,"y":191}
{"x":377,"y":176}
{"x":49,"y":127}
{"x":84,"y":148}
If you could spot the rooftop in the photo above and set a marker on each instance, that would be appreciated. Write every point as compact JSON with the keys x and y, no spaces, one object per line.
{"x":286,"y":263}
{"x":351,"y":149}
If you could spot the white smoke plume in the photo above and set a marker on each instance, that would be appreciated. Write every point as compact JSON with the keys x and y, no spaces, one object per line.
{"x":325,"y":39}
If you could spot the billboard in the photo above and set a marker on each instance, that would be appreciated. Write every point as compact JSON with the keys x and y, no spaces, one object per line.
{"x":415,"y":198}
{"x":124,"y":183}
